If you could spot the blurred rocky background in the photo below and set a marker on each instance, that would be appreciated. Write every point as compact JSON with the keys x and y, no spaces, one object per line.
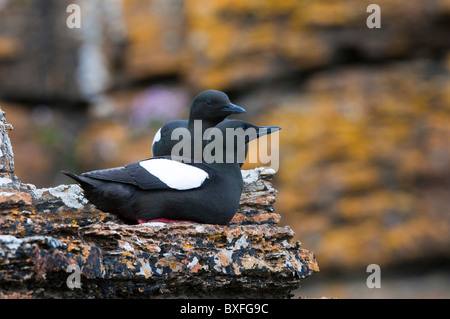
{"x":364,"y":172}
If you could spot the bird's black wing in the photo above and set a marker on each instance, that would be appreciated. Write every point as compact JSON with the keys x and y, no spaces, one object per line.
{"x":117,"y":174}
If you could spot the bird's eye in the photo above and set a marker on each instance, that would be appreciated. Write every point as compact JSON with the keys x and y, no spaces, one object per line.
{"x":208,"y":102}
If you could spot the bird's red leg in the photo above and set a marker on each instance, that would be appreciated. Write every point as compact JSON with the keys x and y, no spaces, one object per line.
{"x":164,"y":220}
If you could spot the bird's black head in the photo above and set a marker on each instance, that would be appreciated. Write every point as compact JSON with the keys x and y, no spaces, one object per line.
{"x":231,"y":137}
{"x":213,"y":106}
{"x":242,"y":129}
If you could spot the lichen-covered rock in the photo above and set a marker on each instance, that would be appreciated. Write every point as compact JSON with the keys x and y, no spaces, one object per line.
{"x":156,"y":260}
{"x":220,"y":44}
{"x":47,"y":233}
{"x":250,"y":257}
{"x":366,"y":168}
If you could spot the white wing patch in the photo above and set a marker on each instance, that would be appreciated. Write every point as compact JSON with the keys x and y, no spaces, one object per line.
{"x":157,"y":137}
{"x":175,"y":174}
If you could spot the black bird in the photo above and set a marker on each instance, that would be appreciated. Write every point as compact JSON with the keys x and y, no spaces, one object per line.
{"x":165,"y":188}
{"x":211,"y":107}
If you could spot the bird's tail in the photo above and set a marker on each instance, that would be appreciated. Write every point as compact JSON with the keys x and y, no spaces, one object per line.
{"x":72,"y":175}
{"x":103,"y":194}
{"x":83,"y":181}
{"x":90,"y":186}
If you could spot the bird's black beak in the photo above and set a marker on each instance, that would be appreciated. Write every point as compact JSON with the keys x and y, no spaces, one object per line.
{"x":233,"y":109}
{"x":266,"y":130}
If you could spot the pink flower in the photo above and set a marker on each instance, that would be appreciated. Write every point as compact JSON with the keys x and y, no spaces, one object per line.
{"x":158,"y":103}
